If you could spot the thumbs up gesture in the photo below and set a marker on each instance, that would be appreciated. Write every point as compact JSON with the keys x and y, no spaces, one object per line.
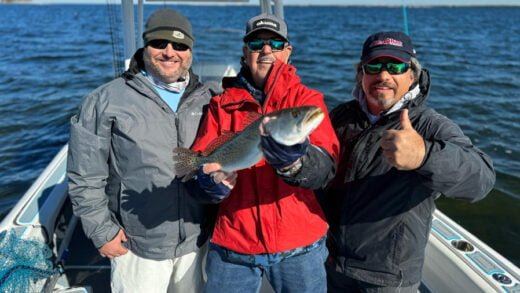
{"x":404,"y":149}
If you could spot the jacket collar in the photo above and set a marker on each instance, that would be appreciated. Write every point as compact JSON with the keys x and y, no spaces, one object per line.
{"x":244,"y":80}
{"x":281,"y":77}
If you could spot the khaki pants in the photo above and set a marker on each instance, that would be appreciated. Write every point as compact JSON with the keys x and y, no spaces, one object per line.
{"x":131,"y":273}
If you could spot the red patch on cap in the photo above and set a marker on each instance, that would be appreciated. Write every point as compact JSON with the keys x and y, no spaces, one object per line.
{"x":387,"y":41}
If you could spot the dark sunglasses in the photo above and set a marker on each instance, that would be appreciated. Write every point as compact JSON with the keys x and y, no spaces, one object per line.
{"x":162,"y":44}
{"x":257,"y":44}
{"x":392,"y":68}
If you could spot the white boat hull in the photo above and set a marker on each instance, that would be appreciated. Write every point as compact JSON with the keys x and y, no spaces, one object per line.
{"x":456,"y":260}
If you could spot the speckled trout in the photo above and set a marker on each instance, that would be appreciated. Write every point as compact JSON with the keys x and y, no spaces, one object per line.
{"x":242,"y":150}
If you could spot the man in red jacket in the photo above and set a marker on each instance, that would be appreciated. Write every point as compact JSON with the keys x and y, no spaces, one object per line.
{"x":269,"y":223}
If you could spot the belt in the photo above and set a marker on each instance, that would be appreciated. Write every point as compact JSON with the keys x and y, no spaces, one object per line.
{"x":264,"y":259}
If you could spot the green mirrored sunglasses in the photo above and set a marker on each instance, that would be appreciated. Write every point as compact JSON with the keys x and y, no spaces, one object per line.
{"x":392,"y":68}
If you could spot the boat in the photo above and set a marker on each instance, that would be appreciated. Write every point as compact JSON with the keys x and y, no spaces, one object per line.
{"x":456,"y":260}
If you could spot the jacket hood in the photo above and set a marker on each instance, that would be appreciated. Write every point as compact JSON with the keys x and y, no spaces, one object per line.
{"x":136,"y":63}
{"x":424,"y":87}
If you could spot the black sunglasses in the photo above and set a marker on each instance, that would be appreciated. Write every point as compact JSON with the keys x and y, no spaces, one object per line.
{"x":392,"y":68}
{"x":162,"y":44}
{"x":257,"y":44}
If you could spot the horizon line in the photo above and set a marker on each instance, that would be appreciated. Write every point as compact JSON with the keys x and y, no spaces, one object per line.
{"x":44,"y":2}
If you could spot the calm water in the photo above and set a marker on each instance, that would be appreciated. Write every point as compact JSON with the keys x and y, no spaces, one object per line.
{"x":53,"y":55}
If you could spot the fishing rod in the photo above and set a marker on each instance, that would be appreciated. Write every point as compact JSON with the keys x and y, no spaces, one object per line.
{"x":405,"y":18}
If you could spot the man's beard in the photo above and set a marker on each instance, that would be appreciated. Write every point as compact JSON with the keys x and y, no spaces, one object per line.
{"x":384,"y":102}
{"x":156,"y":71}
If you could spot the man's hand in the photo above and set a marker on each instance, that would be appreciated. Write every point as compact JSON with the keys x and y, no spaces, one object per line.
{"x":215,"y":182}
{"x":281,"y":156}
{"x":114,"y":248}
{"x":219,"y":176}
{"x":277,"y":155}
{"x":404,"y":149}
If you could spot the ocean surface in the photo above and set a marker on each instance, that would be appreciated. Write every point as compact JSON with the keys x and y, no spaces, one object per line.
{"x":53,"y":55}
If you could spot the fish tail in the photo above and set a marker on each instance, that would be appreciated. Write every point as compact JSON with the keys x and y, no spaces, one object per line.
{"x":186,"y":163}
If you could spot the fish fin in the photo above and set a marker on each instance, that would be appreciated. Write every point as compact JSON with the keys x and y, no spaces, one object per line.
{"x":249,"y":118}
{"x":226,"y":136}
{"x":217,"y":142}
{"x":186,"y":163}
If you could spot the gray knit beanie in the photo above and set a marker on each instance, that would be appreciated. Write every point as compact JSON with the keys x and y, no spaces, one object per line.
{"x":168,"y":25}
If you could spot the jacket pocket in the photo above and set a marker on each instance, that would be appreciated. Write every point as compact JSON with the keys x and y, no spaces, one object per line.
{"x":412,"y":241}
{"x":375,"y":248}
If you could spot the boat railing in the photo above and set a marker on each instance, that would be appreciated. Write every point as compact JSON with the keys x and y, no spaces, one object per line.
{"x":457,"y":261}
{"x":39,"y":206}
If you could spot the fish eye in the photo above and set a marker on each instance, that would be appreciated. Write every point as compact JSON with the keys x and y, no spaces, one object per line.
{"x":294,"y":114}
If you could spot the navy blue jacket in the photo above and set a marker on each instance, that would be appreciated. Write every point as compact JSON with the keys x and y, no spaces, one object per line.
{"x":381,"y":217}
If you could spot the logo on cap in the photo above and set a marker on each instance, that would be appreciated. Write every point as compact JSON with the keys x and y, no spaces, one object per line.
{"x":387,"y":41}
{"x":266,"y":22}
{"x":178,"y":35}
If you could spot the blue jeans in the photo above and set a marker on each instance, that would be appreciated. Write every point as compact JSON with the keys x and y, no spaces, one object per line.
{"x":300,"y":272}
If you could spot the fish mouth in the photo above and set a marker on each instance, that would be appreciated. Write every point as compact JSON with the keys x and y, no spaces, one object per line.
{"x":315,"y":114}
{"x":295,"y":124}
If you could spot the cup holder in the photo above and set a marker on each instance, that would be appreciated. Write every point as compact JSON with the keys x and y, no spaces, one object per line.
{"x":462,"y":245}
{"x":503,"y":279}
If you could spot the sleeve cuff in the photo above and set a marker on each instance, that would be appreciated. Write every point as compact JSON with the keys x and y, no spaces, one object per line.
{"x":293,"y":170}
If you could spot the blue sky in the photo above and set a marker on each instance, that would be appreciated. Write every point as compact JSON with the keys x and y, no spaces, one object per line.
{"x":344,"y":2}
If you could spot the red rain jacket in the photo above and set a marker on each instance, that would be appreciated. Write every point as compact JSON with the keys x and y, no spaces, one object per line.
{"x":263,"y":214}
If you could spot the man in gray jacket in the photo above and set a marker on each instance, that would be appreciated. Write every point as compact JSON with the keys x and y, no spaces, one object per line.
{"x":121,"y":178}
{"x":397,"y":156}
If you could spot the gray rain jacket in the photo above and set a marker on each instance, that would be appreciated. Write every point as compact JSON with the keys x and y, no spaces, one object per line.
{"x":120,"y":165}
{"x":381,"y":217}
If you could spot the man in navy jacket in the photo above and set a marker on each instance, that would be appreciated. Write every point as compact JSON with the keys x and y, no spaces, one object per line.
{"x":397,"y":156}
